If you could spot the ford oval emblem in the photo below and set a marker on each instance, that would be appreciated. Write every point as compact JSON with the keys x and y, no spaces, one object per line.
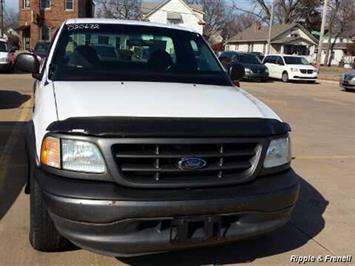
{"x":192,"y":163}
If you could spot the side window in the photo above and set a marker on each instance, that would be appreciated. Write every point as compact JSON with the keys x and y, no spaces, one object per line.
{"x":279,"y":61}
{"x":235,"y":58}
{"x":204,"y":63}
{"x":269,"y":60}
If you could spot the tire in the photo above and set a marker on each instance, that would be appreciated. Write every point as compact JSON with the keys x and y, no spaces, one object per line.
{"x":285,"y":77}
{"x":43,"y":234}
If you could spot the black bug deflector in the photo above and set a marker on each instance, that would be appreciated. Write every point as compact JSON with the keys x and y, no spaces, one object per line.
{"x":124,"y":127}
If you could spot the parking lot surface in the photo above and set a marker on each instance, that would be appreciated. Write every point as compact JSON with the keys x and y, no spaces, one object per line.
{"x":322,"y":117}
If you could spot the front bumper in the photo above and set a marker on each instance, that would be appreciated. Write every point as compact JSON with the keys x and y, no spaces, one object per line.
{"x":4,"y":66}
{"x":256,"y":76}
{"x":303,"y":77}
{"x":347,"y":84}
{"x":118,"y":221}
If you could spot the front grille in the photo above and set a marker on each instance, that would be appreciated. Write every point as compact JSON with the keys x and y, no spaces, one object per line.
{"x":306,"y":71}
{"x":159,"y":163}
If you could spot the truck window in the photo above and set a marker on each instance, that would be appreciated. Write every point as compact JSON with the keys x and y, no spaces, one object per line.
{"x":130,"y":52}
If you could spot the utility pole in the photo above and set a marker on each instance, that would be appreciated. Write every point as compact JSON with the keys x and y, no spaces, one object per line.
{"x":2,"y":18}
{"x":270,"y":27}
{"x":324,"y":18}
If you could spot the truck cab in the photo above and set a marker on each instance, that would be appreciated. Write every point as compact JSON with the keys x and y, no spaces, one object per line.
{"x":149,"y":147}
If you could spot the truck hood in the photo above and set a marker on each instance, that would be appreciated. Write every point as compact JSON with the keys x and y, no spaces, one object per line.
{"x":153,"y":99}
{"x":302,"y":67}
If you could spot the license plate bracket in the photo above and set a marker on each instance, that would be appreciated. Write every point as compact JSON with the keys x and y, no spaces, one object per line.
{"x":194,"y":229}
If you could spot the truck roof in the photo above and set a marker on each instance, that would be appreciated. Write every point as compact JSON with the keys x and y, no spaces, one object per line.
{"x":124,"y":22}
{"x":288,"y":55}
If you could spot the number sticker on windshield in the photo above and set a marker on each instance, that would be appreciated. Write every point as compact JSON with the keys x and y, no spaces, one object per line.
{"x":83,"y":26}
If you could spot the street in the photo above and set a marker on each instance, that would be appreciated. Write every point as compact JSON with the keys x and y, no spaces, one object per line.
{"x":322,"y":117}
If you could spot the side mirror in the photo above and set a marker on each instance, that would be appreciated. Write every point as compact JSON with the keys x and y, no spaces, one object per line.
{"x":28,"y":63}
{"x":237,"y":71}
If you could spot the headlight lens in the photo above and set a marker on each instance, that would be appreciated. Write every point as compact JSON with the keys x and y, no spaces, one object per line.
{"x":294,"y":69}
{"x":81,"y":156}
{"x":248,"y":70}
{"x":73,"y":155}
{"x":278,"y":153}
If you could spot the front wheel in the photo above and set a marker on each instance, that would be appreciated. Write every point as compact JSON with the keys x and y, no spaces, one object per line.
{"x":285,"y":77}
{"x":43,"y":234}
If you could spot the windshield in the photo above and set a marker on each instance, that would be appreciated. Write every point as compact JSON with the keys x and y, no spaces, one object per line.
{"x":293,"y":60}
{"x":94,"y":52}
{"x":249,"y":59}
{"x":3,"y":47}
{"x":41,"y":47}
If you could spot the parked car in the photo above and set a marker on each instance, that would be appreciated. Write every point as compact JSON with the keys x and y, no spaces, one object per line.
{"x":254,"y":69}
{"x":5,"y":62}
{"x":259,"y":55}
{"x":290,"y":67}
{"x":152,"y":154}
{"x":347,"y":80}
{"x":41,"y":49}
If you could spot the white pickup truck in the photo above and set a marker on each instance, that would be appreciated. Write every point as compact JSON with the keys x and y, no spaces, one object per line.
{"x":140,"y":143}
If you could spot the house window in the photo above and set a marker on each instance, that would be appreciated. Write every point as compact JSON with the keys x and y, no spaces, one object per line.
{"x":45,"y":4}
{"x":174,"y":18}
{"x":26,"y":3}
{"x":69,"y":4}
{"x":44,"y":33}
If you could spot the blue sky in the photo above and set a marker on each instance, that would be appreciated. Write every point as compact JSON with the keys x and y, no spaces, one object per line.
{"x":14,"y":4}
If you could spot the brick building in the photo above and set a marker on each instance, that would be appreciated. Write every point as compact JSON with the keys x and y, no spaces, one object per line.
{"x":38,"y":19}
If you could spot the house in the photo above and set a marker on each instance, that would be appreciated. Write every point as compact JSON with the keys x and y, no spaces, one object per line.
{"x":285,"y":39}
{"x":38,"y":19}
{"x":339,"y":54}
{"x":174,"y":12}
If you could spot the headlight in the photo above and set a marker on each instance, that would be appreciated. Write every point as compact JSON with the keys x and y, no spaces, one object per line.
{"x":294,"y":69}
{"x":248,"y":70}
{"x":81,"y":156}
{"x":278,"y":153}
{"x":73,"y":155}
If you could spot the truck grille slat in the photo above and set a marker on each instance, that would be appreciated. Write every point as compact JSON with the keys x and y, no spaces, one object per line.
{"x":161,"y":162}
{"x":176,"y":155}
{"x":212,"y":167}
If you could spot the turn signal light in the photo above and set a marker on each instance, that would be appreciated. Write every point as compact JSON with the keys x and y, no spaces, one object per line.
{"x":50,"y":152}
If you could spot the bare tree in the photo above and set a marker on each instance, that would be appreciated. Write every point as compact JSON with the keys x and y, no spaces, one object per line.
{"x":286,"y":11}
{"x":120,"y":9}
{"x":341,"y":18}
{"x":10,"y":18}
{"x":215,"y":15}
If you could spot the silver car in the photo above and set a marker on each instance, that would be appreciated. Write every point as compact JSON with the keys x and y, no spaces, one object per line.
{"x":347,"y":80}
